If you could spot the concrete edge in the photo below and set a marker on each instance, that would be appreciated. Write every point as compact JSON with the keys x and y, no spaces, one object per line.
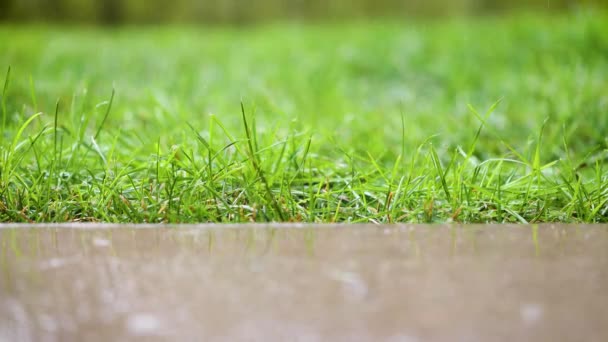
{"x":88,"y":226}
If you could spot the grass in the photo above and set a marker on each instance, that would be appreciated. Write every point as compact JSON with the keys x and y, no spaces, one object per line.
{"x":480,"y":120}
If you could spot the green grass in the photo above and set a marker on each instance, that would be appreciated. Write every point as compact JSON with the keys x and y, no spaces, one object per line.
{"x":480,"y":120}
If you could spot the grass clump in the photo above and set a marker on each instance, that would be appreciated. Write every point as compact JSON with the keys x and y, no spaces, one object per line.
{"x":486,"y":120}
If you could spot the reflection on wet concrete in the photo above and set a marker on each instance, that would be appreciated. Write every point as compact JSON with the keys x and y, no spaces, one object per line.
{"x":396,"y":283}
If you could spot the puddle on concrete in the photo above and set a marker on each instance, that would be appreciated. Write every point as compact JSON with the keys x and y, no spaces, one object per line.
{"x":400,"y":283}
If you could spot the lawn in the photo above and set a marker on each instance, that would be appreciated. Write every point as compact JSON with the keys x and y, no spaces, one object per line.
{"x":484,"y":119}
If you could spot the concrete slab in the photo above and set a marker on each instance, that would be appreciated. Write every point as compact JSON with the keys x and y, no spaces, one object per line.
{"x":305,"y":283}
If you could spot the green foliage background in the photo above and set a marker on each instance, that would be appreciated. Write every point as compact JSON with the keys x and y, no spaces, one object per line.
{"x":239,"y":11}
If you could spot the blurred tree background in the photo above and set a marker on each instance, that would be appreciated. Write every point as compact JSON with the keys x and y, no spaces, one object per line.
{"x":242,"y":11}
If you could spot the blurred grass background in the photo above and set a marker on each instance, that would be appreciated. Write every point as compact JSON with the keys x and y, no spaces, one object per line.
{"x":242,"y":12}
{"x":353,"y":120}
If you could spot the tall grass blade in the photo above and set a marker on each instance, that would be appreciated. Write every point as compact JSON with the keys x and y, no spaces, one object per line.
{"x":258,"y":169}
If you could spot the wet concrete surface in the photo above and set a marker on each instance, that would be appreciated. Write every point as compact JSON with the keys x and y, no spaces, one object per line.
{"x":325,"y":283}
